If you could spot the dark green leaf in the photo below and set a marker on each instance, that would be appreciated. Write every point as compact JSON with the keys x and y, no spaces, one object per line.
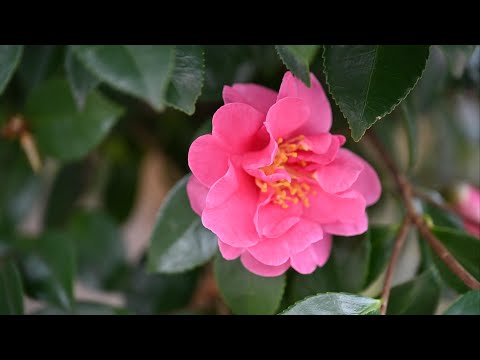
{"x":49,"y":269}
{"x":187,"y":78}
{"x":416,"y":297}
{"x":179,"y":241}
{"x":335,"y":304}
{"x":411,"y":130}
{"x":160,"y":293}
{"x":81,"y":81}
{"x":442,"y":218}
{"x":465,"y":248}
{"x":457,"y":57}
{"x":98,"y":245}
{"x":143,"y":71}
{"x":85,"y":308}
{"x":297,"y":58}
{"x":11,"y":293}
{"x":381,"y":239}
{"x":467,"y":304}
{"x":369,"y":81}
{"x":60,"y":129}
{"x":9,"y":58}
{"x":245,"y":292}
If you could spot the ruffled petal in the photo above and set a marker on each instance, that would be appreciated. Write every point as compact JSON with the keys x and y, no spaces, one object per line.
{"x":259,"y":97}
{"x":286,"y":116}
{"x":260,"y":269}
{"x":229,"y":252}
{"x":197,"y":194}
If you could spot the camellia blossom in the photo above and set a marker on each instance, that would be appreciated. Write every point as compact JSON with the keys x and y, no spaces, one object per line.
{"x":466,"y":201}
{"x":273,"y":183}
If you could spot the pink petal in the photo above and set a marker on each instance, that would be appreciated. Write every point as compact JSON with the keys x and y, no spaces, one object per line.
{"x":260,"y":97}
{"x":368,"y":184}
{"x":235,"y":125}
{"x":207,"y":159}
{"x":286,"y":116}
{"x":275,"y":251}
{"x":304,"y":261}
{"x":317,"y":144}
{"x":260,"y":269}
{"x":320,"y":119}
{"x":341,"y":173}
{"x":197,"y":194}
{"x":229,"y":252}
{"x":327,"y":208}
{"x":322,"y":249}
{"x":229,"y":214}
{"x":468,"y":202}
{"x":472,"y":228}
{"x":264,"y":155}
{"x":348,"y":229}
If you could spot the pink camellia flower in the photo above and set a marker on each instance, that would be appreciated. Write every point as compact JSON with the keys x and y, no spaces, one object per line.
{"x":271,"y":181}
{"x":466,"y":201}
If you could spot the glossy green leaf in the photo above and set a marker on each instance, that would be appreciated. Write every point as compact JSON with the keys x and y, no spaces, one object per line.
{"x":297,"y":59}
{"x":467,"y":304}
{"x":61,"y":130}
{"x":245,"y":292}
{"x":99,"y":247}
{"x":81,"y":81}
{"x":465,"y":248}
{"x":369,"y":81}
{"x":179,"y":241}
{"x":85,"y":308}
{"x":416,"y":297}
{"x":9,"y":58}
{"x":335,"y":304}
{"x":11,"y":292}
{"x":49,"y":269}
{"x":143,"y":71}
{"x":187,"y":78}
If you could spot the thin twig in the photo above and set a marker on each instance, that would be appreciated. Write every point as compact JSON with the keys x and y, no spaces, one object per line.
{"x":429,"y":200}
{"x":406,"y":191}
{"x":399,"y":241}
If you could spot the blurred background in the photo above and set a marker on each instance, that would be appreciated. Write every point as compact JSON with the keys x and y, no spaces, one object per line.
{"x":94,"y":215}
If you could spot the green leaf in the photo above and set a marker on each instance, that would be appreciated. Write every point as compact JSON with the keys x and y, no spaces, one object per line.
{"x":381,"y":239}
{"x":369,"y":81}
{"x":81,"y":81}
{"x":464,"y":248}
{"x":297,"y":58}
{"x":143,"y":71}
{"x":187,"y":78}
{"x":9,"y":59}
{"x":85,"y":308}
{"x":467,"y":304}
{"x":98,"y":245}
{"x":11,"y":293}
{"x":335,"y":304}
{"x":179,"y":241}
{"x":59,"y":128}
{"x":416,"y":297}
{"x":49,"y":269}
{"x":245,"y":292}
{"x":411,"y":130}
{"x":457,"y":57}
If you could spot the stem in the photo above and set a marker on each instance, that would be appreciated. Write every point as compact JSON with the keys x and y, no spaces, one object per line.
{"x":428,"y":199}
{"x":399,"y":241}
{"x":406,"y":191}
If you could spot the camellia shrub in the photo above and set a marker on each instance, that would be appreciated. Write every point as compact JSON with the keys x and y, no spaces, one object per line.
{"x":240,"y":179}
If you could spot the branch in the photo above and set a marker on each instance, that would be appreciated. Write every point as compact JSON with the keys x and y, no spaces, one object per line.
{"x":406,"y":191}
{"x":429,"y":200}
{"x":400,"y":240}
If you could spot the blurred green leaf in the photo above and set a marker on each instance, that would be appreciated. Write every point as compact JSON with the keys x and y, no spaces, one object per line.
{"x":11,"y":293}
{"x":410,"y":125}
{"x":457,"y":57}
{"x":416,"y":297}
{"x":369,"y":81}
{"x":143,"y":71}
{"x":245,"y":292}
{"x":9,"y":58}
{"x":85,"y":308}
{"x":187,"y":78}
{"x":99,"y":247}
{"x":467,"y":304}
{"x":81,"y":81}
{"x":297,"y":58}
{"x":335,"y":304}
{"x":179,"y":241}
{"x":465,"y":248}
{"x":160,"y":293}
{"x":381,"y":239}
{"x":59,"y":128}
{"x":49,"y":269}
{"x":442,"y":218}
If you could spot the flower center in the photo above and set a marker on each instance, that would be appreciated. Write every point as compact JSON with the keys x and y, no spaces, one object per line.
{"x":288,"y":191}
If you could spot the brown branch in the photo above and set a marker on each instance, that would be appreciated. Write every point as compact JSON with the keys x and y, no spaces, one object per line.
{"x":429,"y":200}
{"x":399,"y":241}
{"x":406,"y":191}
